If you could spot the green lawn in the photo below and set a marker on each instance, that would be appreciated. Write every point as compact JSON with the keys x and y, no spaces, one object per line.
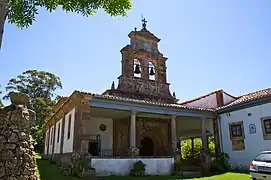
{"x":49,"y":171}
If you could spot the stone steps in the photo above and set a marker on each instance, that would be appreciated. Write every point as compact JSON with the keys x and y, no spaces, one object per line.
{"x":192,"y":174}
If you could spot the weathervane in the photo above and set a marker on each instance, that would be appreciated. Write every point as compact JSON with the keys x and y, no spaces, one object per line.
{"x":144,"y":22}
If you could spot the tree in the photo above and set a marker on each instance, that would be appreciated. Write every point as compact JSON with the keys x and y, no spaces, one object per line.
{"x":40,"y":86}
{"x":23,"y":12}
{"x":1,"y":104}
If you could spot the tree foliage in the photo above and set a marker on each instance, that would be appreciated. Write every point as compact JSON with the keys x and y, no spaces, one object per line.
{"x":40,"y":86}
{"x":23,"y":12}
{"x":1,"y":104}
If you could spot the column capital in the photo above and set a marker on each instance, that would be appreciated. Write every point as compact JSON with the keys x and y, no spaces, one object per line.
{"x":173,"y":117}
{"x":133,"y":113}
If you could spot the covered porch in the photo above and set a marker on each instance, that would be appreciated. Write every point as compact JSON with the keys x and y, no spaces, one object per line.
{"x":122,"y":132}
{"x":126,"y":128}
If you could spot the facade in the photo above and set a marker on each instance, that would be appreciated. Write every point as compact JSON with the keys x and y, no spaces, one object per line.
{"x":141,"y":113}
{"x":246,"y":126}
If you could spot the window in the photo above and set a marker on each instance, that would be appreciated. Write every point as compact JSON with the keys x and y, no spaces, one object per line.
{"x":237,"y":135}
{"x":52,"y":131}
{"x":47,"y":138}
{"x":69,"y":127}
{"x":264,"y":157}
{"x":58,"y":132}
{"x":267,"y":126}
{"x":236,"y":130}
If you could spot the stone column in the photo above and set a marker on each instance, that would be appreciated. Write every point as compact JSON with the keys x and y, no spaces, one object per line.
{"x":133,"y":130}
{"x":174,"y":138}
{"x":173,"y":132}
{"x":203,"y":134}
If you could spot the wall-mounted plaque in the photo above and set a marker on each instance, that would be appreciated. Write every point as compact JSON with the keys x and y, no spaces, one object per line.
{"x":252,"y":128}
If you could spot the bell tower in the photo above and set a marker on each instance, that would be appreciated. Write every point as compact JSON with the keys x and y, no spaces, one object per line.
{"x":143,"y":74}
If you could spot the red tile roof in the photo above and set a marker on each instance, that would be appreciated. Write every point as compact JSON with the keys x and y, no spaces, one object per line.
{"x":198,"y":98}
{"x":145,"y":102}
{"x":248,"y":97}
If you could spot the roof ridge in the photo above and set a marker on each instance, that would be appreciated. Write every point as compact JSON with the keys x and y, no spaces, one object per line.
{"x":200,"y":97}
{"x":255,"y":92}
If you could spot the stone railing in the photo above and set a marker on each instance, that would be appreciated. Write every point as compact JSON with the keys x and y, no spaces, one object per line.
{"x":17,"y":158}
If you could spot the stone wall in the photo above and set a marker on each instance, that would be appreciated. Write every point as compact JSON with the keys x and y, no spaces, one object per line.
{"x":17,"y":158}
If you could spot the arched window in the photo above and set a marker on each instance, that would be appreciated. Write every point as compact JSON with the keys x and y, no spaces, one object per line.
{"x":151,"y":71}
{"x":137,"y":68}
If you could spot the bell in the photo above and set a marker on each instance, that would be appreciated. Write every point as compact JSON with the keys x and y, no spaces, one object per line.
{"x":152,"y":72}
{"x":137,"y":69}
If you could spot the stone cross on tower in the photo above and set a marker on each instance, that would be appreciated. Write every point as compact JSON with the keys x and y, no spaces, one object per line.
{"x":144,"y":22}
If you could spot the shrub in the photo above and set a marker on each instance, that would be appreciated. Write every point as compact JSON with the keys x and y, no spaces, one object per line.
{"x":178,"y":169}
{"x":239,"y":169}
{"x":220,"y":163}
{"x":138,"y":169}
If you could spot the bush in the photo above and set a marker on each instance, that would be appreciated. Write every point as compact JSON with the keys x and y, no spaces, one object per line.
{"x":220,"y":163}
{"x":138,"y":169}
{"x":178,"y":169}
{"x":239,"y":169}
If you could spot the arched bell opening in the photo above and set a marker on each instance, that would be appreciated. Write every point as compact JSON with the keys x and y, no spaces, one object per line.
{"x":137,"y":68}
{"x":151,"y":71}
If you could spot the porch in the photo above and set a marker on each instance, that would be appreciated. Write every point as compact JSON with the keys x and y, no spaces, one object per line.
{"x":112,"y":128}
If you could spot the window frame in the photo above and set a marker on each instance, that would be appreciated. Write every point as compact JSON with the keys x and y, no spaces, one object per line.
{"x":266,"y":135}
{"x":237,"y":133}
{"x":265,"y":128}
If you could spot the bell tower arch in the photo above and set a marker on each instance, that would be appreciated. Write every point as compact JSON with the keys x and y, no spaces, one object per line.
{"x":143,"y":74}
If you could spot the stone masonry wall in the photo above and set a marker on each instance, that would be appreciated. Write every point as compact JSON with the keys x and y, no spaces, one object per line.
{"x":17,"y":158}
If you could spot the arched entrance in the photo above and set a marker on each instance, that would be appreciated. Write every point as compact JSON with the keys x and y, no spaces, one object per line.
{"x":146,"y":147}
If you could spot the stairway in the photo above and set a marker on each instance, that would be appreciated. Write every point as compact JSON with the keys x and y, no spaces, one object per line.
{"x":191,"y":172}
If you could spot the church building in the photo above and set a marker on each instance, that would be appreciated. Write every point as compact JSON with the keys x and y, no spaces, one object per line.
{"x":141,"y":117}
{"x":140,"y":112}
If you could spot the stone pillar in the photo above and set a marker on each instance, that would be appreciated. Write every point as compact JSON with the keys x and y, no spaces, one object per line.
{"x":133,"y":130}
{"x":17,"y":156}
{"x":173,"y":133}
{"x":203,"y":135}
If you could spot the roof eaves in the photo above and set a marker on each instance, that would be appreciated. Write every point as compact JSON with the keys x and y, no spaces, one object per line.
{"x":243,"y":104}
{"x":151,"y":103}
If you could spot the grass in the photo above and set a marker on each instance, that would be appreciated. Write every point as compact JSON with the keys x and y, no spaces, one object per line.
{"x":48,"y":171}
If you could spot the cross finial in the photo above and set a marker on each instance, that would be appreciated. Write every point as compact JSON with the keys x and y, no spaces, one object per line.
{"x":144,"y":22}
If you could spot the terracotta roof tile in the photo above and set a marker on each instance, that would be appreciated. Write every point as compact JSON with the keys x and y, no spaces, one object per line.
{"x":146,"y":102}
{"x":206,"y":95}
{"x":198,"y":98}
{"x":248,"y":97}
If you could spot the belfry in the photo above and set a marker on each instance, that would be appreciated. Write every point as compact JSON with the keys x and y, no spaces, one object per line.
{"x":144,"y":74}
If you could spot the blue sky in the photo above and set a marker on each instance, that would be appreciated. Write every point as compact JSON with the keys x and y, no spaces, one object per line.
{"x":210,"y":45}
